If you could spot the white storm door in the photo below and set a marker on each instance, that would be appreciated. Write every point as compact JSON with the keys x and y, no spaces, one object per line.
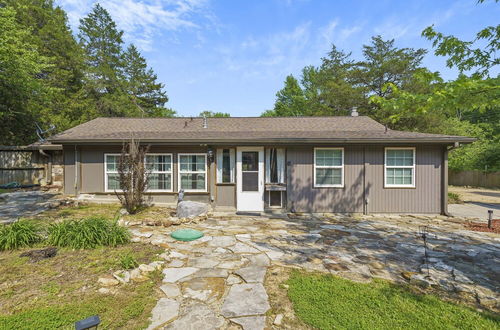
{"x":250,"y":178}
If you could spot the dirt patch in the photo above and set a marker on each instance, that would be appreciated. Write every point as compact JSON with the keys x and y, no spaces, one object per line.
{"x":479,"y":195}
{"x":37,"y":255}
{"x":483,"y":227}
{"x":277,"y":290}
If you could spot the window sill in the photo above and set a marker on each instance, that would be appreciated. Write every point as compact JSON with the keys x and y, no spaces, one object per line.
{"x":399,"y":187}
{"x":225,"y":184}
{"x":329,"y":187}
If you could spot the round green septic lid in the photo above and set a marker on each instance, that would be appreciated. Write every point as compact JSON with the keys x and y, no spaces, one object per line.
{"x":186,"y":234}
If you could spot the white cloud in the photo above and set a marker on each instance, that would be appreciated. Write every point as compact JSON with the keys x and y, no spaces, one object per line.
{"x":141,"y":20}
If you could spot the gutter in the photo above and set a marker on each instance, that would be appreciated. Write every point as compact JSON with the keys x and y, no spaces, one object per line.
{"x":278,"y":140}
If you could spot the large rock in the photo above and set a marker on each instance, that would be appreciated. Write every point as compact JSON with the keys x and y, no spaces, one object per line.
{"x":189,"y":209}
{"x":245,"y":300}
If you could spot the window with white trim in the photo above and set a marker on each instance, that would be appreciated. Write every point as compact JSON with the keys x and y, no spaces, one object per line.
{"x":328,"y":167}
{"x":111,"y":176}
{"x":225,"y":165}
{"x":399,"y":167}
{"x":193,"y":172}
{"x":159,"y":167}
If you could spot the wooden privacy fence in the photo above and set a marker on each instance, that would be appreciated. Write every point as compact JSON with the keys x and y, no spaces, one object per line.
{"x":474,"y":178}
{"x":24,"y":167}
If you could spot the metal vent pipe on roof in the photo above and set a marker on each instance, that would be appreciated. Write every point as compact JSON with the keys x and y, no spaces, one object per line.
{"x":205,"y":122}
{"x":354,"y":112}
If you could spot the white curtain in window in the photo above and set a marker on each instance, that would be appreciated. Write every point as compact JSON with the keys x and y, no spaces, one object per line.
{"x":219,"y":165}
{"x":280,"y":165}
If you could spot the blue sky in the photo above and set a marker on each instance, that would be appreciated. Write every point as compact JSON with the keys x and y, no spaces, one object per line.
{"x":233,"y":55}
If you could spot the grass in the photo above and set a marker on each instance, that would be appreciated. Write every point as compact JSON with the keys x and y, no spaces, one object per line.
{"x":454,"y":198}
{"x":2,"y":191}
{"x":19,"y":234}
{"x":328,"y":302}
{"x":56,"y":292}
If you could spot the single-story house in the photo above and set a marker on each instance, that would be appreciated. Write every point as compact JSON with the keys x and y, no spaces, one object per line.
{"x":349,"y":164}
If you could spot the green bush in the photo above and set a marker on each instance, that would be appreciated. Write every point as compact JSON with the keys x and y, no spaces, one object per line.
{"x":127,"y":261}
{"x":19,"y":234}
{"x":87,"y":233}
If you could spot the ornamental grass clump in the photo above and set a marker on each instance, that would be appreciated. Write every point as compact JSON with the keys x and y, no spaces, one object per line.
{"x":87,"y":233}
{"x":19,"y":234}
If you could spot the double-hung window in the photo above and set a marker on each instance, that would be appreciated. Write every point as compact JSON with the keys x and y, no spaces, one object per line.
{"x":159,"y":167}
{"x":193,"y":172}
{"x":400,"y":167}
{"x":328,"y":167}
{"x":225,"y":165}
{"x":111,"y":176}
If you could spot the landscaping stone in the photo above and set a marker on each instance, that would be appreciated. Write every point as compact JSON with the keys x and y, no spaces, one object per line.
{"x":245,"y":300}
{"x":146,"y":268}
{"x":165,"y":310}
{"x":190,"y":209}
{"x":421,"y":281}
{"x":197,"y":316}
{"x":222,"y":241}
{"x":278,"y":319}
{"x":171,"y":290}
{"x":172,"y":275}
{"x":104,"y":291}
{"x":176,"y":263}
{"x":252,"y":274}
{"x":251,"y":322}
{"x":242,"y":248}
{"x":202,"y":262}
{"x":233,"y":279}
{"x":136,"y":275}
{"x":122,"y":276}
{"x":107,"y":281}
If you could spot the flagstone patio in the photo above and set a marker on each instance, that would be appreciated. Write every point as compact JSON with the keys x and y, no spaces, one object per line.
{"x":217,"y":281}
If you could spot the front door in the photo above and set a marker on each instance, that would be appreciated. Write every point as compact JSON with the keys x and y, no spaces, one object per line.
{"x":250,"y":178}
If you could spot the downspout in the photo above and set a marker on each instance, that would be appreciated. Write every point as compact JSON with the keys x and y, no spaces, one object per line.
{"x":444,"y":178}
{"x":365,"y":195}
{"x":76,"y":171}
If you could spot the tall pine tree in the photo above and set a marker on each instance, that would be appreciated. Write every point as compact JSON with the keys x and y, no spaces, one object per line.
{"x":145,"y":92}
{"x":105,"y":80}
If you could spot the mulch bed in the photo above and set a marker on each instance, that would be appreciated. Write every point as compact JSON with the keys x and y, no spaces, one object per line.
{"x":483,"y":226}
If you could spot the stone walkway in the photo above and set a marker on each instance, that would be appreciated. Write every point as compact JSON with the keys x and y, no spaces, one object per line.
{"x":217,"y":281}
{"x":25,"y":203}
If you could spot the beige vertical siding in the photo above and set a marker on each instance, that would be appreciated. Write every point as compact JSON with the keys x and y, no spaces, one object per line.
{"x":69,"y":169}
{"x":424,"y":198}
{"x":92,"y":171}
{"x":306,"y":198}
{"x":226,"y":195}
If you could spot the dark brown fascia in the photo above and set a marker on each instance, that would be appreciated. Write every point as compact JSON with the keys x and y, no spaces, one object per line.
{"x":450,"y":140}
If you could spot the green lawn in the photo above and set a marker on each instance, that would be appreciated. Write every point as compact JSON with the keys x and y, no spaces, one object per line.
{"x":329,"y":302}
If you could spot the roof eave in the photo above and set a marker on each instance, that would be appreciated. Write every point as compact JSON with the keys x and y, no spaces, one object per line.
{"x":444,"y":140}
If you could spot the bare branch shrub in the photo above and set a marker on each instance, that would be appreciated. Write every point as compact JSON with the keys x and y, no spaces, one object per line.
{"x":133,"y":176}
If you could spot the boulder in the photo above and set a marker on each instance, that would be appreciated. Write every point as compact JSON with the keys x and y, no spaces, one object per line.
{"x":189,"y":209}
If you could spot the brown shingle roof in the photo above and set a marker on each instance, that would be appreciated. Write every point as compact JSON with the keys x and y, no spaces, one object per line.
{"x":243,"y":129}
